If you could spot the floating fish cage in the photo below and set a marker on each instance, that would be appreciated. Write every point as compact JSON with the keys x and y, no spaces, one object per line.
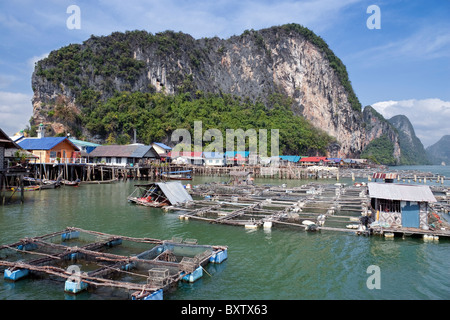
{"x":140,"y":268}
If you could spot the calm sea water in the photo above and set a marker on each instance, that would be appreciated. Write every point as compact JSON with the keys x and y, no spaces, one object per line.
{"x":281,"y":264}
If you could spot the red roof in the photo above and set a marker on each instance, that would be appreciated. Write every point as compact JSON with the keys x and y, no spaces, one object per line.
{"x":314,"y":159}
{"x":174,"y":154}
{"x":379,"y":175}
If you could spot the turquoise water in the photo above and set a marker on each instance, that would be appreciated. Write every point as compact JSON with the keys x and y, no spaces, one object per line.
{"x":280,"y":264}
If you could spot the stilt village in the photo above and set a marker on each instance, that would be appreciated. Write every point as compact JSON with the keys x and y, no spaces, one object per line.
{"x":333,"y":195}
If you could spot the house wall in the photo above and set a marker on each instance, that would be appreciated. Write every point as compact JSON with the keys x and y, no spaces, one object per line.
{"x":63,"y":150}
{"x":2,"y":158}
{"x":423,"y":214}
{"x":113,"y":160}
{"x":41,"y":154}
{"x":214,"y":162}
{"x":395,"y":218}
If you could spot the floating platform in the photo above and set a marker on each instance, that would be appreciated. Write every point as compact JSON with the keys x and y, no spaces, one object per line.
{"x":313,"y":207}
{"x":140,"y":268}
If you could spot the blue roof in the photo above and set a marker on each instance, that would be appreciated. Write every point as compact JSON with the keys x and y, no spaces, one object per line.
{"x":43,"y":143}
{"x":213,"y":155}
{"x":162,"y":145}
{"x":291,"y":158}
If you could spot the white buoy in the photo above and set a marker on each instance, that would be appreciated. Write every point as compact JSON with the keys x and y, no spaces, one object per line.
{"x":267,"y":224}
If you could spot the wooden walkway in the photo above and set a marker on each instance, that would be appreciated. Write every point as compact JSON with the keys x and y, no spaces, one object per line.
{"x":330,"y":207}
{"x":154,"y":265}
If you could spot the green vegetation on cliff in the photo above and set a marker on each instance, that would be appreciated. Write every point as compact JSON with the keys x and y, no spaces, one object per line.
{"x":380,"y":150}
{"x":156,"y":115}
{"x":107,"y":88}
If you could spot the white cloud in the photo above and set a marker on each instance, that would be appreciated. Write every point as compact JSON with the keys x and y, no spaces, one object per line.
{"x":429,"y":117}
{"x":32,"y":61}
{"x":15,"y":111}
{"x":427,"y":43}
{"x":204,"y":18}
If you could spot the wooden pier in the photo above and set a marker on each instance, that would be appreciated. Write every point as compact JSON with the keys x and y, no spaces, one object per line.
{"x":154,"y":266}
{"x":103,"y":173}
{"x":106,"y":173}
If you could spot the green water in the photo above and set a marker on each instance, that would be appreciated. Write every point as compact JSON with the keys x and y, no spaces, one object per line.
{"x":283,"y":263}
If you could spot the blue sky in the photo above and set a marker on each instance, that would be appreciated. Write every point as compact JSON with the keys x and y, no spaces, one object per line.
{"x":402,"y":68}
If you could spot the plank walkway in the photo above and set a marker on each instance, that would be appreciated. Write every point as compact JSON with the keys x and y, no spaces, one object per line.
{"x":330,"y":207}
{"x":51,"y":255}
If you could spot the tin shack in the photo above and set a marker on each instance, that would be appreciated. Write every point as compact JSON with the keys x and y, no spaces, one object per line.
{"x":401,"y":205}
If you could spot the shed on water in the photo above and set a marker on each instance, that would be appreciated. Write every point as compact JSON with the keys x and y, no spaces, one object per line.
{"x":160,"y":194}
{"x":402,"y":205}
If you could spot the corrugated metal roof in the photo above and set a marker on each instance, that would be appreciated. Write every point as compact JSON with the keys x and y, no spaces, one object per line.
{"x":113,"y":151}
{"x":379,"y":175}
{"x":46,"y":143}
{"x":140,"y":151}
{"x":395,"y":191}
{"x":122,"y":151}
{"x":175,"y":192}
{"x":83,"y":143}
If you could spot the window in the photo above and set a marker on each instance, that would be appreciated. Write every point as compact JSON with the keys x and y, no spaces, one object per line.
{"x":388,"y":205}
{"x":108,"y":159}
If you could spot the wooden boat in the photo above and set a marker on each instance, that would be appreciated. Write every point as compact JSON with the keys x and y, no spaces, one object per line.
{"x":27,"y":188}
{"x":177,"y":175}
{"x":75,"y":183}
{"x":52,"y":185}
{"x":100,"y":181}
{"x":42,"y":183}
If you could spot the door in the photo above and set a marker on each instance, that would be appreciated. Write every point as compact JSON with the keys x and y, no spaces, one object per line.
{"x":410,"y":214}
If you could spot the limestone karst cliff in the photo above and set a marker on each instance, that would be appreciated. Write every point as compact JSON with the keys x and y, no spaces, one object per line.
{"x":287,"y":60}
{"x":412,"y":149}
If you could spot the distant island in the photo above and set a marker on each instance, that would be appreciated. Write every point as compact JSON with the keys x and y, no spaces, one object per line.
{"x":439,"y":153}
